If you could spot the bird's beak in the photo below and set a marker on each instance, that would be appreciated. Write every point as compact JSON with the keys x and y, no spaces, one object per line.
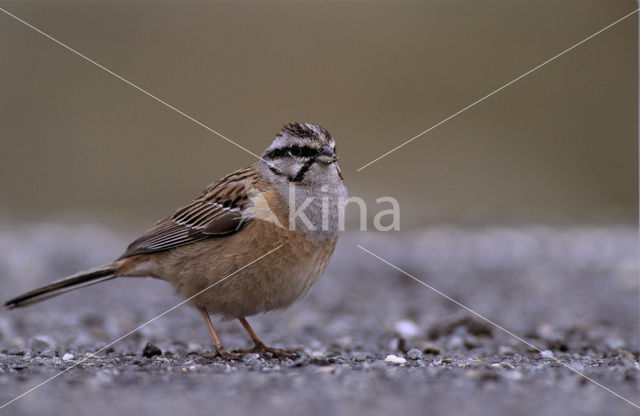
{"x":327,"y":156}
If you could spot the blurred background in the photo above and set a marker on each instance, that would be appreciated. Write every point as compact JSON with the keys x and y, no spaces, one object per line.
{"x":523,"y":208}
{"x":558,"y":146}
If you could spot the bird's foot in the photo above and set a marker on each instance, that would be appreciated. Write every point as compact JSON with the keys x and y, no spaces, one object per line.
{"x":270,"y":352}
{"x":224,"y":354}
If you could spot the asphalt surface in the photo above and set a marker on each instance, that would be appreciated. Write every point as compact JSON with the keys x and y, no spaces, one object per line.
{"x":370,"y":339}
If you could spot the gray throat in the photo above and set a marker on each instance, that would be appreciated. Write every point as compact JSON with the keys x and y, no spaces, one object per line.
{"x":318,"y":209}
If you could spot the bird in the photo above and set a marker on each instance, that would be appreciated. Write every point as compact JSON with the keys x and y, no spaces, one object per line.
{"x":288,"y":204}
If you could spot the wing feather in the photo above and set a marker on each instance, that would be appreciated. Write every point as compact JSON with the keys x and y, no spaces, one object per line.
{"x":217,"y":212}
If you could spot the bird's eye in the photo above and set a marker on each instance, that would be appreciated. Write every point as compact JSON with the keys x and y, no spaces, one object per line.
{"x":295,"y":151}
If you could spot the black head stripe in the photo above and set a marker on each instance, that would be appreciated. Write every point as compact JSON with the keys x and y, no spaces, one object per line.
{"x":295,"y":151}
{"x":300,"y":175}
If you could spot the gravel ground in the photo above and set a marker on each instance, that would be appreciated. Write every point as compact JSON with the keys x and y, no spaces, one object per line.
{"x":370,"y":339}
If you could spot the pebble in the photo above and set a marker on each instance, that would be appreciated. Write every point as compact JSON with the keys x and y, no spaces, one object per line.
{"x":455,"y":342}
{"x":546,"y":354}
{"x":547,"y":331}
{"x":394,"y":359}
{"x":414,"y":354}
{"x":151,"y":350}
{"x":406,"y":328}
{"x":68,"y":356}
{"x":628,"y":355}
{"x":359,"y":356}
{"x":430,"y":348}
{"x":505,"y":350}
{"x":194,"y":346}
{"x":317,"y":354}
{"x":615,"y":343}
{"x":40,"y":343}
{"x":251,"y":358}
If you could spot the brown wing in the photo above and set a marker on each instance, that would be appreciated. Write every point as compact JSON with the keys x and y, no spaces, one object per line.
{"x":217,"y":212}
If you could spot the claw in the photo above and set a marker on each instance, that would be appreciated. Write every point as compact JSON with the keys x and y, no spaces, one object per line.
{"x":229,"y":355}
{"x":260,"y":348}
{"x":224,"y":354}
{"x":270,"y":352}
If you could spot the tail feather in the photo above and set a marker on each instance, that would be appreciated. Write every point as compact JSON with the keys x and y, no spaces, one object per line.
{"x":82,"y":279}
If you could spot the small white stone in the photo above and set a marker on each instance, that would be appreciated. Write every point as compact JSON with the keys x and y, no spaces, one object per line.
{"x":546,"y":354}
{"x":317,"y":354}
{"x":406,"y":328}
{"x":68,"y":356}
{"x":194,"y":347}
{"x":394,"y":359}
{"x":615,"y":343}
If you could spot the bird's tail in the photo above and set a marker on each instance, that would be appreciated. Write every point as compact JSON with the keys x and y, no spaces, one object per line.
{"x":82,"y":279}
